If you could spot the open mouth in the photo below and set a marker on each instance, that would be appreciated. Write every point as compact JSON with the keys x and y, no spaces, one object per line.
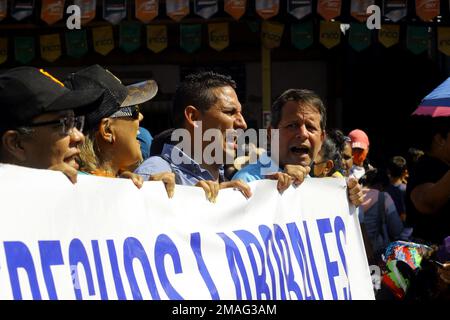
{"x":299,"y":150}
{"x":73,"y":161}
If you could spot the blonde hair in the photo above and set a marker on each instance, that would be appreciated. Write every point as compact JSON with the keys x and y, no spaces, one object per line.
{"x":90,"y":161}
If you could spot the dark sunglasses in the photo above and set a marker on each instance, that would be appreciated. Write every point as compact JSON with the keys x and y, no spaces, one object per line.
{"x":66,"y":124}
{"x":127,"y":112}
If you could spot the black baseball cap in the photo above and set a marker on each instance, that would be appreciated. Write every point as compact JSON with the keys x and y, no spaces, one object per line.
{"x":116,"y":94}
{"x":27,"y":92}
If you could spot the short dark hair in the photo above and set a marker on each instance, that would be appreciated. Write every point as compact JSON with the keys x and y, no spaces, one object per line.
{"x":197,"y":90}
{"x":302,"y":96}
{"x":397,"y":166}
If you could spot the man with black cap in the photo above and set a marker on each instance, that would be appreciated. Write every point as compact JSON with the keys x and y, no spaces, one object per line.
{"x":42,"y":120}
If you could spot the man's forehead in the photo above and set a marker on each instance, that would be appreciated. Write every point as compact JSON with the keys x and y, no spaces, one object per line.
{"x":225,"y":90}
{"x":299,"y":109}
{"x":227,"y":95}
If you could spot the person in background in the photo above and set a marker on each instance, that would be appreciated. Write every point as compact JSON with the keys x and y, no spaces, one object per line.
{"x":42,"y":120}
{"x":145,"y":140}
{"x":412,"y":158}
{"x":328,"y":162}
{"x":397,"y":173}
{"x":381,"y":219}
{"x":415,"y":154}
{"x":347,"y":156}
{"x":428,"y":188}
{"x":335,"y":160}
{"x":360,"y":149}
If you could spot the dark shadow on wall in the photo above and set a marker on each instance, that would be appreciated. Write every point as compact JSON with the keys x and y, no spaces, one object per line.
{"x":380,"y":91}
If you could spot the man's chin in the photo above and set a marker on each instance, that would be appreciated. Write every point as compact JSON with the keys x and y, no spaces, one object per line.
{"x":300,"y":161}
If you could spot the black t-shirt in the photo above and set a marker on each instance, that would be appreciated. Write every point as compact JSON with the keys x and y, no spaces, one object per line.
{"x":430,"y":227}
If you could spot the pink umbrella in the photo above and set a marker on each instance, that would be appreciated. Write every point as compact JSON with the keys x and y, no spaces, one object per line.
{"x":437,"y":103}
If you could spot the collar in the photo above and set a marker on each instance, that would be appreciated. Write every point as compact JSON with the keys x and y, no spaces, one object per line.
{"x":187,"y":164}
{"x":267,"y":164}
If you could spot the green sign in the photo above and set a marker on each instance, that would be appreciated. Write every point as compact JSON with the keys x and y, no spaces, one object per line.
{"x":24,"y":49}
{"x":359,"y":37}
{"x":302,"y":35}
{"x":191,"y":37}
{"x":417,"y":39}
{"x":130,"y":36}
{"x":76,"y":43}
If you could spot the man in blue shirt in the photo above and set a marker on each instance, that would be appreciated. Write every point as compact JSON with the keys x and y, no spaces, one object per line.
{"x":187,"y":173}
{"x":203,"y":102}
{"x":300,"y":117}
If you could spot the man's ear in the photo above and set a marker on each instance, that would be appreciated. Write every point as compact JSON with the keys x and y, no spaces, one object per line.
{"x":12,"y":144}
{"x":191,"y":115}
{"x":106,"y":130}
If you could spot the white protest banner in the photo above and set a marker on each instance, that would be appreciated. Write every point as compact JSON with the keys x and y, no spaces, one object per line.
{"x":103,"y":238}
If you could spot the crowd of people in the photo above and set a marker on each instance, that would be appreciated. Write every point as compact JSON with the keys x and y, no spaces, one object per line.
{"x":89,"y":123}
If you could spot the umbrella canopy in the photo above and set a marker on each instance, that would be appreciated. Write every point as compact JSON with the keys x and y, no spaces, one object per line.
{"x":437,"y":103}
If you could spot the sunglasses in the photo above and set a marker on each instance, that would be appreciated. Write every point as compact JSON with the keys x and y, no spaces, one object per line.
{"x":127,"y":112}
{"x":66,"y":124}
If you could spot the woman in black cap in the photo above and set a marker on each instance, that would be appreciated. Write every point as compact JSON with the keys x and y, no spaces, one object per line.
{"x":111,"y":147}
